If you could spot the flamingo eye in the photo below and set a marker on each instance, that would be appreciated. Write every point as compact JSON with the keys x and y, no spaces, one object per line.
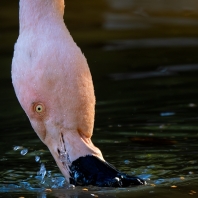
{"x":39,"y":108}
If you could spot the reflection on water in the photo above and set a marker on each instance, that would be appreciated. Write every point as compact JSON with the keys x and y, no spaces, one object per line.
{"x":159,"y":72}
{"x":145,"y":14}
{"x":152,"y":43}
{"x":154,"y":5}
{"x":143,"y":57}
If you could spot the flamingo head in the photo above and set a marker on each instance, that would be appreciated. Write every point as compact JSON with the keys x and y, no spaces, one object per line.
{"x":59,"y":104}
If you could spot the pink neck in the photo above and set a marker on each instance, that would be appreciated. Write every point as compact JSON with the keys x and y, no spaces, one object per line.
{"x":35,"y":13}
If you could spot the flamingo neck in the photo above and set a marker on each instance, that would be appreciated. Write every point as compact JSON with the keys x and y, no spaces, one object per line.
{"x":35,"y":13}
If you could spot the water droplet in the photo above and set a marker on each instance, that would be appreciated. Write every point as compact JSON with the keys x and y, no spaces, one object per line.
{"x":126,"y":161}
{"x":24,"y":151}
{"x":71,"y":186}
{"x":37,"y":158}
{"x":64,"y":157}
{"x":17,"y":148}
{"x":94,"y":195}
{"x":117,"y":179}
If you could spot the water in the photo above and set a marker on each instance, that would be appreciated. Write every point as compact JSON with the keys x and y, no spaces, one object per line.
{"x":143,"y":58}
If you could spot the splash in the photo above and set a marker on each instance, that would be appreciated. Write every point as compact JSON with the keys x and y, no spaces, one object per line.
{"x":45,"y":177}
{"x":42,"y":172}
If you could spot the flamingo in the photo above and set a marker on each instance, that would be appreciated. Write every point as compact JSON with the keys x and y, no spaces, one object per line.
{"x":53,"y":84}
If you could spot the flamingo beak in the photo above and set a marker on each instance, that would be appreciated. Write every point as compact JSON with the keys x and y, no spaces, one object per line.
{"x":82,"y":163}
{"x":87,"y":168}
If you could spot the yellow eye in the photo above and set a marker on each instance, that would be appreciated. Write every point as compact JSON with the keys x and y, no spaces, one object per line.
{"x":39,"y":108}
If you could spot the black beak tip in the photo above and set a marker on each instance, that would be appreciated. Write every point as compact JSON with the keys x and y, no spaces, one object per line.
{"x":128,"y":180}
{"x":90,"y":170}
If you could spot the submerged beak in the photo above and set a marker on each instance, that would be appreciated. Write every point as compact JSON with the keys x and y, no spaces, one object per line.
{"x":82,"y":163}
{"x":90,"y":170}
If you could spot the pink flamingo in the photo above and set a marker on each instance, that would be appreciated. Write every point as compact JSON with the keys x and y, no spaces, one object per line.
{"x":53,"y":84}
